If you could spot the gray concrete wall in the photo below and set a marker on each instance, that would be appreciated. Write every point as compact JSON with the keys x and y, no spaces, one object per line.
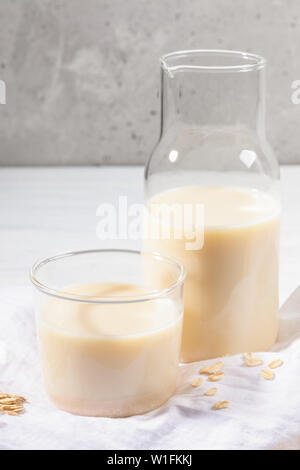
{"x":82,"y":75}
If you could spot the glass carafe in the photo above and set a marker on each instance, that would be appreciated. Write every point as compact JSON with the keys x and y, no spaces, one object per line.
{"x":213,"y":153}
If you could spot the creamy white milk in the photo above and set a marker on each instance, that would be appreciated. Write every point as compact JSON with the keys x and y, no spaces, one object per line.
{"x":109,"y":359}
{"x":231,"y":289}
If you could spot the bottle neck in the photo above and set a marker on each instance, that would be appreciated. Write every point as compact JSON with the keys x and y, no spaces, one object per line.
{"x":213,"y":99}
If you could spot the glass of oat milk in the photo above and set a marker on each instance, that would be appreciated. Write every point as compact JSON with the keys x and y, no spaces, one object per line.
{"x":109,"y":334}
{"x":213,"y":155}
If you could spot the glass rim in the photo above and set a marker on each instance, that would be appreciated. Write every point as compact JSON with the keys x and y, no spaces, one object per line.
{"x":252,"y":61}
{"x":60,"y":294}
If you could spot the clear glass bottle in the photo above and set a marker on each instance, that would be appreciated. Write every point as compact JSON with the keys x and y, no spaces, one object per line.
{"x":213,"y":152}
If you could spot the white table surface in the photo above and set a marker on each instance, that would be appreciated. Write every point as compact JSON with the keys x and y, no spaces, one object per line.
{"x":44,"y":211}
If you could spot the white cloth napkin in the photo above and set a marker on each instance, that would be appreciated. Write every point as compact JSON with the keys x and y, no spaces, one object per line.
{"x":262,"y":414}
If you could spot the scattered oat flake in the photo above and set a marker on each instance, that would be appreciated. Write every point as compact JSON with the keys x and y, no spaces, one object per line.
{"x":3,"y":395}
{"x":18,"y":409}
{"x":275,"y":364}
{"x":211,"y":368}
{"x":196,"y":382}
{"x":251,"y":361}
{"x":216,"y":376}
{"x":219,"y":405}
{"x":211,"y":391}
{"x":247,"y":356}
{"x":8,"y":401}
{"x":267,"y":374}
{"x":11,"y":404}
